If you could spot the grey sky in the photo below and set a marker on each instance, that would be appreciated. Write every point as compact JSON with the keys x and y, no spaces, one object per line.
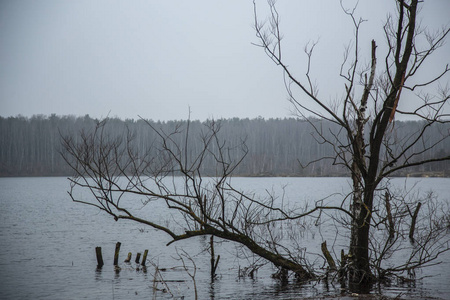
{"x":158,"y":58}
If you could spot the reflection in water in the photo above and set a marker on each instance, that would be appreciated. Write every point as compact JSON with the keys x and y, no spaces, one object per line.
{"x":42,"y":232}
{"x":98,"y":274}
{"x":212,"y":293}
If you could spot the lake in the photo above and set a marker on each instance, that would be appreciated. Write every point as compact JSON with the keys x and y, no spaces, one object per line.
{"x":47,"y":249}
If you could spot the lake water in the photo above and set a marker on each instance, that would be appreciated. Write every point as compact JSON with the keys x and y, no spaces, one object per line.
{"x":47,"y":249}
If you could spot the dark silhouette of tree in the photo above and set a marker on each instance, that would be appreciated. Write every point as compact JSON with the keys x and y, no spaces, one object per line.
{"x":365,"y":142}
{"x":110,"y":167}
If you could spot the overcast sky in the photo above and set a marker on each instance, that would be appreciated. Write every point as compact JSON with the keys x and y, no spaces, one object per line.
{"x":157,"y":59}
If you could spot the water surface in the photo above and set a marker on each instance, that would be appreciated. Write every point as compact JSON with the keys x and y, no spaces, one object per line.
{"x":47,"y":248}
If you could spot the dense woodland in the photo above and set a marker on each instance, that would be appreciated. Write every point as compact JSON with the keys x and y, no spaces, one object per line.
{"x":276,"y":147}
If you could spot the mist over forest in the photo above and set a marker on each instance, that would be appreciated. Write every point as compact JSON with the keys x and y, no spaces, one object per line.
{"x":276,"y":147}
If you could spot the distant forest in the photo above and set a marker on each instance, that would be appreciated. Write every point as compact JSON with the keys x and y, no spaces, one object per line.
{"x":276,"y":147}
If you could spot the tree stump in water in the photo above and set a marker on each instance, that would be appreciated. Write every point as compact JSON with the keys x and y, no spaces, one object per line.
{"x":144,"y":258}
{"x":128,"y":259}
{"x":116,"y":254}
{"x":328,"y":256}
{"x":98,"y":252}
{"x":413,"y":222}
{"x":138,"y":257}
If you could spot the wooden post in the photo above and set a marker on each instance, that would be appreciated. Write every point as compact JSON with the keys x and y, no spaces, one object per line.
{"x":214,"y":261}
{"x":413,"y":222}
{"x":116,"y":254}
{"x":128,"y":259}
{"x":213,"y":271}
{"x":144,"y":258}
{"x":342,"y":272}
{"x":328,"y":256}
{"x":389,"y":216}
{"x":138,"y":257}
{"x":217,"y":263}
{"x":98,"y":252}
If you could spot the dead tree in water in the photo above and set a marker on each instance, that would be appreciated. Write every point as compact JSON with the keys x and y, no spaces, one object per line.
{"x":109,"y":166}
{"x":366,"y":143}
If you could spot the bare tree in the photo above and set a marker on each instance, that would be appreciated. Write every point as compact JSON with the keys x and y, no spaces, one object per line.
{"x":366,"y":143}
{"x":169,"y":175}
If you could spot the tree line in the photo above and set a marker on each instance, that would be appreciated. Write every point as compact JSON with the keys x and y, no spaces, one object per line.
{"x":274,"y":147}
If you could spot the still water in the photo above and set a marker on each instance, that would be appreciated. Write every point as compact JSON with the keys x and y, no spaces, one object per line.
{"x":47,"y":249}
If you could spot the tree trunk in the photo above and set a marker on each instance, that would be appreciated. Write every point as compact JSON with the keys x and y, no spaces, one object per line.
{"x":278,"y":260}
{"x":359,"y":264}
{"x":358,"y":259}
